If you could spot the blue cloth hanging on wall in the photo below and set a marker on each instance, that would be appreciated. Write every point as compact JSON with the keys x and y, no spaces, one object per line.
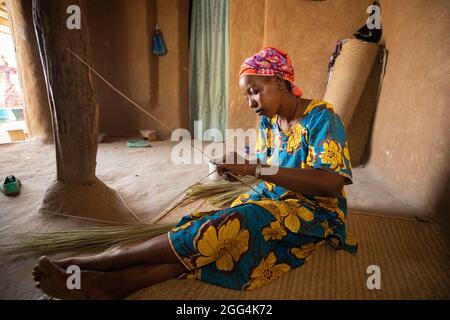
{"x":159,"y":48}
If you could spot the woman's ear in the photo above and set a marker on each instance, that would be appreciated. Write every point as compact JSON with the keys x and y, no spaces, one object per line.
{"x":278,"y":83}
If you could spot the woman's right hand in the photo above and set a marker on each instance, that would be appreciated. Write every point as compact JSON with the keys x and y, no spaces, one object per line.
{"x":223,"y":171}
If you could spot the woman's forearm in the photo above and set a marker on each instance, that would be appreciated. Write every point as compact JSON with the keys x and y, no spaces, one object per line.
{"x":309,"y":181}
{"x":314,"y":182}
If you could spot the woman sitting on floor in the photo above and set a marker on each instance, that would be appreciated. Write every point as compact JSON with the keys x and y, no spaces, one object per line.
{"x":264,"y":233}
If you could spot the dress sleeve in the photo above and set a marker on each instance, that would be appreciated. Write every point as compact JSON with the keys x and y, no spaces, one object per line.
{"x":328,"y":148}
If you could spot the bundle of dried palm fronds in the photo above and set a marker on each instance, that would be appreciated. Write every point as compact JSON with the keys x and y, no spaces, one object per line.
{"x":93,"y":238}
{"x":218,"y":193}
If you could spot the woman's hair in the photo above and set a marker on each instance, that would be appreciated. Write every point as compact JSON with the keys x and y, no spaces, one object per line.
{"x":288,"y":85}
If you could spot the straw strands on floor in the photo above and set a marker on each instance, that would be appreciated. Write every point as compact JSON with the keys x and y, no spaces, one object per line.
{"x":218,"y":193}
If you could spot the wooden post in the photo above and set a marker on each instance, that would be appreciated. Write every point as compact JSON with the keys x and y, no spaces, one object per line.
{"x":74,"y":109}
{"x":37,"y":111}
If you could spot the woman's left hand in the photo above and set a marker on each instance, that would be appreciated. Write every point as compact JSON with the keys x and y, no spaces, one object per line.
{"x":236,"y":169}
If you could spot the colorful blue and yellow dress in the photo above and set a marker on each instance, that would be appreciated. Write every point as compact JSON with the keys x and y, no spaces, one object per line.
{"x":258,"y":239}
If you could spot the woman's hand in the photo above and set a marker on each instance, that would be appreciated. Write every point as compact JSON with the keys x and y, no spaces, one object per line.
{"x":236,"y":169}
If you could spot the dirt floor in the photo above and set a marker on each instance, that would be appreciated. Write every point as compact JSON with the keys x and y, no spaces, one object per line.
{"x":147,"y":180}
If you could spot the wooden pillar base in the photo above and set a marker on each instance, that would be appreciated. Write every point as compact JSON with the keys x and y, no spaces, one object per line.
{"x":95,"y":201}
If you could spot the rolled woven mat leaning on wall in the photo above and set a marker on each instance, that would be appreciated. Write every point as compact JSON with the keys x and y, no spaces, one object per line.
{"x":352,"y":89}
{"x":412,"y":257}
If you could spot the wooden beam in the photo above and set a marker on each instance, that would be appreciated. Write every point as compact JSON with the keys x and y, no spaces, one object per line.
{"x":74,"y":108}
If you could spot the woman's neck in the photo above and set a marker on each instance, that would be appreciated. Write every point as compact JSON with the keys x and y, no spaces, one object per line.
{"x":288,"y":108}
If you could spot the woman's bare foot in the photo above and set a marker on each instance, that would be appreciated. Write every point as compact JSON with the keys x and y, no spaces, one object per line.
{"x":118,"y":284}
{"x":52,"y":280}
{"x":104,"y":261}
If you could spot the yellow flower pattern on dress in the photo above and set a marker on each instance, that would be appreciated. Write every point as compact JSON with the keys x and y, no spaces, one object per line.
{"x":347,"y":156}
{"x":266,"y":272}
{"x":346,"y":152}
{"x":332,"y":154}
{"x":293,"y":218}
{"x":327,"y":229}
{"x":240,"y":199}
{"x":200,"y":214}
{"x":224,"y":246}
{"x":305,"y":250}
{"x":294,"y":140}
{"x":183,"y":226}
{"x":274,"y":232}
{"x":269,"y":185}
{"x":311,"y":156}
{"x":350,"y":239}
{"x":273,"y":120}
{"x":260,"y":141}
{"x":290,"y":212}
{"x":272,"y":206}
{"x":270,"y":139}
{"x":331,"y":204}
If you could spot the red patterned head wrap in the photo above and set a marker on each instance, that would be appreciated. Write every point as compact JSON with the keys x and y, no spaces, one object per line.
{"x":270,"y":62}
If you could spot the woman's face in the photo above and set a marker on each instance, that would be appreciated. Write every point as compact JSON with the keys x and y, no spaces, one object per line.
{"x":262,"y":94}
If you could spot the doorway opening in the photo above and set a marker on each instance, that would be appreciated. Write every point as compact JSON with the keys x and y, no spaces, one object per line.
{"x":12,"y":121}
